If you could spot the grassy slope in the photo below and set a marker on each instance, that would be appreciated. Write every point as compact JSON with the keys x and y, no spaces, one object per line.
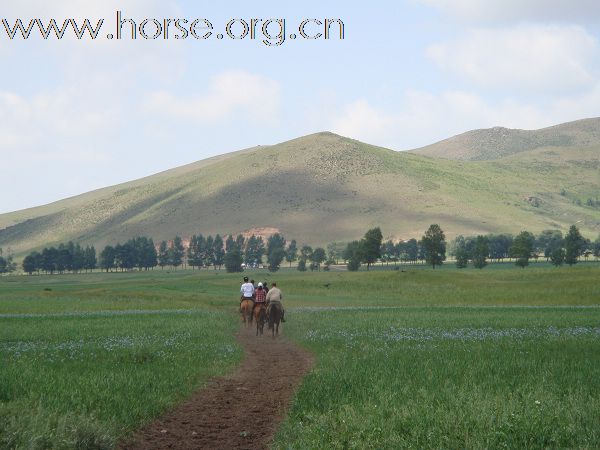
{"x":322,"y":188}
{"x":495,"y":143}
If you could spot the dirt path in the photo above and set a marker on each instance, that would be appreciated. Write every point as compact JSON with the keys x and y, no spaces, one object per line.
{"x":240,"y":411}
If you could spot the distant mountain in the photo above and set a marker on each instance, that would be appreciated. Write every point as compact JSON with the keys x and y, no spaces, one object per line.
{"x":496,"y":143}
{"x":324,"y":187}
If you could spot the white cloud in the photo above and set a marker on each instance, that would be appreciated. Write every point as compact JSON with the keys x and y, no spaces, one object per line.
{"x":230,"y":92}
{"x":62,"y":112}
{"x":423,"y":117}
{"x":360,"y":119}
{"x":519,"y":10}
{"x":529,"y":57}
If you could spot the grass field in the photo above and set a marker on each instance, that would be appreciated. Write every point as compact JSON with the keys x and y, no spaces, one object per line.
{"x":420,"y":358}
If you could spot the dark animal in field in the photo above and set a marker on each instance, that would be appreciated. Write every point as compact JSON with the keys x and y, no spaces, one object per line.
{"x":260,"y":317}
{"x":246,"y":311}
{"x":274,"y":313}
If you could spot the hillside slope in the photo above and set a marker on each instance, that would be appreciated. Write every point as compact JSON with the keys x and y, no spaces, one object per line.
{"x":496,"y":143}
{"x":325,"y":187}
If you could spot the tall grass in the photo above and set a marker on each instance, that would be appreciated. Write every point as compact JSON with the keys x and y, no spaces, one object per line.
{"x":85,"y":379}
{"x":447,"y":378}
{"x":420,"y":358}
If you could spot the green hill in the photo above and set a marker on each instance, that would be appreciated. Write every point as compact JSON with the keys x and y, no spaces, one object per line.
{"x":325,"y":187}
{"x":495,"y":143}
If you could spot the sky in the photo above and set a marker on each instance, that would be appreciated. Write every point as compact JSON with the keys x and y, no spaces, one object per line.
{"x":77,"y":115}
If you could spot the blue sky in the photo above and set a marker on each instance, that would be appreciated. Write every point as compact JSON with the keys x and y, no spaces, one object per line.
{"x":79,"y":115}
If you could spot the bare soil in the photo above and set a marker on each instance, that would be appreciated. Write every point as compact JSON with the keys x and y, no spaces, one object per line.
{"x":240,"y":411}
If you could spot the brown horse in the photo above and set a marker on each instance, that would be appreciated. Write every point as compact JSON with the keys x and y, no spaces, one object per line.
{"x":246,"y":311}
{"x":274,"y":317}
{"x":260,"y":317}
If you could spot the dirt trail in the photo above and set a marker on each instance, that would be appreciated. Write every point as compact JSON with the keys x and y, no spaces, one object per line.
{"x":240,"y":411}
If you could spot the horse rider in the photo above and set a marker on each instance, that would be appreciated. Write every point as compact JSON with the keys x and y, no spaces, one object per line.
{"x":274,"y":296}
{"x":247,"y":291}
{"x":260,"y":295}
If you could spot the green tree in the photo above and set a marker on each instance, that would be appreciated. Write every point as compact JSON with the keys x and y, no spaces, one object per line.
{"x":218,"y":251}
{"x":176,"y":252}
{"x":574,"y":245}
{"x":480,"y":252}
{"x":240,"y":242}
{"x":78,"y":258}
{"x":318,"y":256}
{"x":459,"y":250}
{"x":388,"y":252}
{"x":151,"y":255}
{"x":371,"y":246}
{"x":29,"y":263}
{"x":107,"y":258}
{"x":209,"y":252}
{"x":353,"y":255}
{"x":434,"y":245}
{"x":335,"y":251}
{"x":596,"y":247}
{"x":163,"y":255}
{"x":255,"y":249}
{"x":63,"y":258}
{"x":548,"y":241}
{"x":306,"y":252}
{"x":291,"y":254}
{"x":90,"y":258}
{"x":230,"y":243}
{"x":275,"y":251}
{"x":195,"y":251}
{"x":233,"y":260}
{"x":7,"y":265}
{"x":408,"y":251}
{"x":49,"y":258}
{"x":125,"y":257}
{"x":302,"y":265}
{"x":499,"y":245}
{"x":557,"y":257}
{"x":522,"y":247}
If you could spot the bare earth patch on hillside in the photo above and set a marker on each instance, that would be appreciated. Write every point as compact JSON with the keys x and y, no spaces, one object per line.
{"x":240,"y":411}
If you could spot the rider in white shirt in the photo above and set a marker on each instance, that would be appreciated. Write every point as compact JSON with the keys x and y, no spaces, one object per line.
{"x":247,"y":291}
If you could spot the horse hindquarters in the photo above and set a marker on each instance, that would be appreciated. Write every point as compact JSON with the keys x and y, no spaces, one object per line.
{"x":260,"y":317}
{"x":247,"y":312}
{"x":274,"y":318}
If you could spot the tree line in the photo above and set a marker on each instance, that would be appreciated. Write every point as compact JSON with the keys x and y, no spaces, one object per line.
{"x":68,"y":257}
{"x":238,"y":253}
{"x":478,"y":250}
{"x":555,"y":247}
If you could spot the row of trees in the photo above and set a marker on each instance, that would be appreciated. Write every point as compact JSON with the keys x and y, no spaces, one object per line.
{"x":525,"y":246}
{"x":478,"y":249}
{"x":234,"y":253}
{"x":68,"y":257}
{"x":251,"y":251}
{"x":138,"y":252}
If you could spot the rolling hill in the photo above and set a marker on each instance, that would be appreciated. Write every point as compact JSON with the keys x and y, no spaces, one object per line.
{"x":325,"y":187}
{"x":496,"y":143}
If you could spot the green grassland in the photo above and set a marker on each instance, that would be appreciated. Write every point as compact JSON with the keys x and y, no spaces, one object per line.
{"x":447,"y":378}
{"x":323,"y":188}
{"x":501,"y":357}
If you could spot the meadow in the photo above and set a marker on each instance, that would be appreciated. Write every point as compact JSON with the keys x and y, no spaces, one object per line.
{"x":411,"y":358}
